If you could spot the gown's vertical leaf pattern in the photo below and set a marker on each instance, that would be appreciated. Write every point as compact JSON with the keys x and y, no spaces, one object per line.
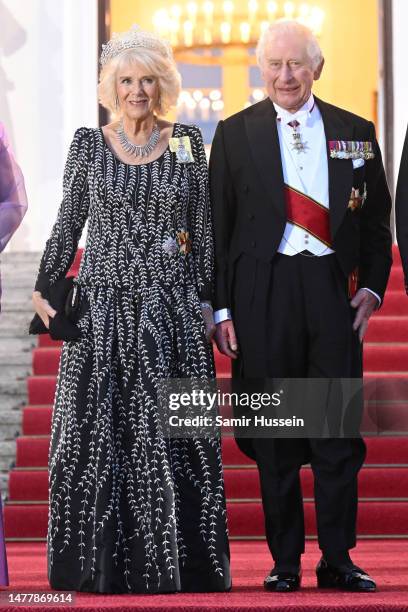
{"x":130,"y":509}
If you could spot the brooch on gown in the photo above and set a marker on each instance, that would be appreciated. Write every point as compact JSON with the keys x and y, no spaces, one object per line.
{"x":180,"y":244}
{"x":184,"y":242}
{"x":351,"y":149}
{"x":182,"y":148}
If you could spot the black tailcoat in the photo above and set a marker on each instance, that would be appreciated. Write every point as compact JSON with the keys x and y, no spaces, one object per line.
{"x":247,"y":194}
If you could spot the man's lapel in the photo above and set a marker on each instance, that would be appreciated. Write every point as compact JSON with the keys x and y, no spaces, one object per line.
{"x":340,"y":170}
{"x":263,"y":141}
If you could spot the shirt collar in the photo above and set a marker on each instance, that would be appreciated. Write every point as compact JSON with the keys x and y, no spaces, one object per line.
{"x":301,"y":115}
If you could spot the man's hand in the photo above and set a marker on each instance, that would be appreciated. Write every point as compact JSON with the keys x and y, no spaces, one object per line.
{"x":226,"y":339}
{"x":366,"y":303}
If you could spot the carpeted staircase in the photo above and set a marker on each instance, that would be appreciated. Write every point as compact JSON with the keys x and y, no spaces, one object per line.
{"x":383,"y":484}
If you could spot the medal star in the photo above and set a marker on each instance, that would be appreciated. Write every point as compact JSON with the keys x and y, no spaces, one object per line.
{"x":298,"y":144}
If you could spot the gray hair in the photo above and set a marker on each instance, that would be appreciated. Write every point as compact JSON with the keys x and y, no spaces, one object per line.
{"x":290,"y":26}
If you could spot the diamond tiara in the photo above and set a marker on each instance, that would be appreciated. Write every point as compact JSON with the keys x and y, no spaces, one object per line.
{"x":133,"y":39}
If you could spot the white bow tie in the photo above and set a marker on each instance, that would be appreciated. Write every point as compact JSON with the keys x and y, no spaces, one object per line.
{"x":300,"y":116}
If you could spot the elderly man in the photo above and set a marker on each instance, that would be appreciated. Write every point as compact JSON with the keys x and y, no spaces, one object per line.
{"x":300,"y":200}
{"x":401,"y":210}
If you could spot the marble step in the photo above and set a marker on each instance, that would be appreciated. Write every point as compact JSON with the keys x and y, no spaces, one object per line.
{"x":12,"y":387}
{"x":9,"y":418}
{"x":12,"y":393}
{"x":18,"y":345}
{"x":18,"y":285}
{"x":13,"y":318}
{"x":25,"y":257}
{"x":12,"y":402}
{"x":27,"y":273}
{"x":4,"y":478}
{"x":17,"y":301}
{"x":15,"y":325}
{"x":7,"y":454}
{"x":15,"y":330}
{"x":10,"y":425}
{"x":12,"y":372}
{"x":9,"y":432}
{"x":19,"y":271}
{"x":14,"y":353}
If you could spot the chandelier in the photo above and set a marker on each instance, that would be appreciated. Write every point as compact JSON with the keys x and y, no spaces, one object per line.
{"x":195,"y":29}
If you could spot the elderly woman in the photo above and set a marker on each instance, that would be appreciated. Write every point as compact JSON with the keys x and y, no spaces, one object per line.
{"x":13,"y":205}
{"x":130,"y":509}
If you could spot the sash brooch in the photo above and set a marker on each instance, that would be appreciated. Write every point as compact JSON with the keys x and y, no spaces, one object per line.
{"x":357,"y":199}
{"x":351,"y":149}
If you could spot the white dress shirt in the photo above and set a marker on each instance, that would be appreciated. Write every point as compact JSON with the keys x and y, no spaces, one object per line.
{"x":307,"y":172}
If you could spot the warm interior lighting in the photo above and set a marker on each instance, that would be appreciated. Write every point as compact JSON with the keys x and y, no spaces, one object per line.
{"x":245,"y":30}
{"x":252,"y":7}
{"x":201,"y":102}
{"x":188,"y":33}
{"x":215,"y":94}
{"x":228,"y":7}
{"x":225,"y":32}
{"x":205,"y":25}
{"x":289,"y":9}
{"x":258,"y":95}
{"x":271,"y":8}
{"x":198,"y":95}
{"x":208,"y":9}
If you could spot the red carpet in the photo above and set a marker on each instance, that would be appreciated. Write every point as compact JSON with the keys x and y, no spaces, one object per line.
{"x":386,"y":561}
{"x":383,"y":484}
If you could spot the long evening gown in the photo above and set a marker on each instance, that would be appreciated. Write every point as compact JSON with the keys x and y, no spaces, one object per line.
{"x":132,"y":510}
{"x":13,"y":205}
{"x":3,"y":558}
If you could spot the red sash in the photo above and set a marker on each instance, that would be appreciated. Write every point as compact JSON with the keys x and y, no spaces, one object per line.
{"x":303,"y":211}
{"x":353,"y":283}
{"x":314,"y":218}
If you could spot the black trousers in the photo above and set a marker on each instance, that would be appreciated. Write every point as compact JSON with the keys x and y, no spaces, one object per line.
{"x":293,"y":320}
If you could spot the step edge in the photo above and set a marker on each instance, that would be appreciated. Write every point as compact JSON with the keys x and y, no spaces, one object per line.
{"x":391,"y":536}
{"x":236,"y":500}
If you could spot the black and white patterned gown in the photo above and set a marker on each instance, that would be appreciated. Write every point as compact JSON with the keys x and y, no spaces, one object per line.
{"x":132,"y":510}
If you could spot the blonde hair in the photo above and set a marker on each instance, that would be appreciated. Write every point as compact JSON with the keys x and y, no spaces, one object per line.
{"x":290,"y":26}
{"x":164,"y":69}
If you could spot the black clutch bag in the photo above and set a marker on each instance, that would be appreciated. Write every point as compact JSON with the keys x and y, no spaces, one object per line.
{"x":64,"y":297}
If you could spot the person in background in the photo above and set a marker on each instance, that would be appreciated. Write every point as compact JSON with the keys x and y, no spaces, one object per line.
{"x":401,"y":211}
{"x":13,"y":206}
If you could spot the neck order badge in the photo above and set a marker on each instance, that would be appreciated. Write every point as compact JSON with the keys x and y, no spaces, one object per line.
{"x":298,"y":144}
{"x":182,"y":148}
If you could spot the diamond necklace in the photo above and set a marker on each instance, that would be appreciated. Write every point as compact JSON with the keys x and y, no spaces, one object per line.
{"x":138,"y":150}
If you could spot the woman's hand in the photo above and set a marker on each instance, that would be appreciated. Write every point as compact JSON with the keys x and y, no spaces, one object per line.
{"x":43,"y":308}
{"x":207,"y":312}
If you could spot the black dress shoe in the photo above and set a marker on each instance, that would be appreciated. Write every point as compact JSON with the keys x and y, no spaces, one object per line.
{"x":282,"y":582}
{"x":350,"y":578}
